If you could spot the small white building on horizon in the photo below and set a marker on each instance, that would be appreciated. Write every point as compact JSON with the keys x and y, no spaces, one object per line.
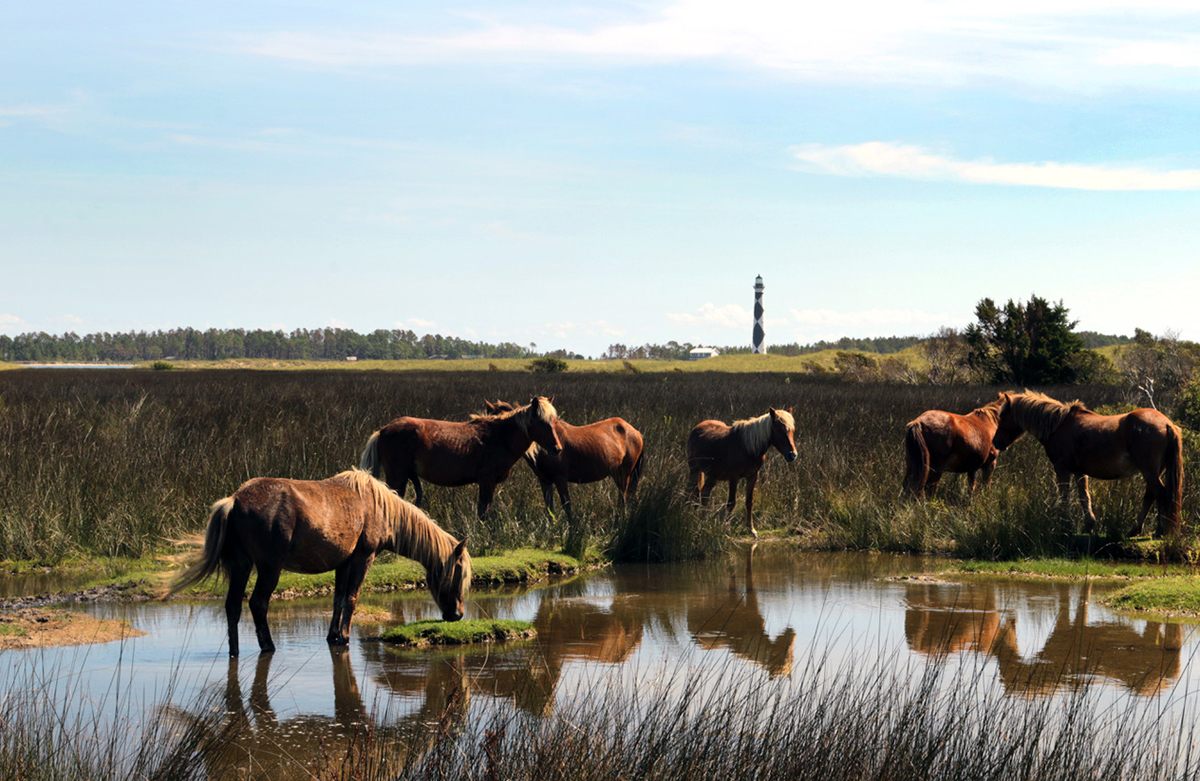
{"x":699,"y":353}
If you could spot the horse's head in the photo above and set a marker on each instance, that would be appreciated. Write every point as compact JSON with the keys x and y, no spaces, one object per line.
{"x":450,"y":590}
{"x":542,"y":416}
{"x":497,"y":407}
{"x":783,"y":433}
{"x":1008,"y":430}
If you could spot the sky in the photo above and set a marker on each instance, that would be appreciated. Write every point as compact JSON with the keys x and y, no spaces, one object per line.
{"x":574,"y":175}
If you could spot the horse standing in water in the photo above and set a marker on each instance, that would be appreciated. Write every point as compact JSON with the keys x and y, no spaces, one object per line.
{"x":482,"y":450}
{"x":607,"y":448}
{"x":938,"y":442}
{"x":717,"y":451}
{"x":1082,"y":444}
{"x":271,"y":524}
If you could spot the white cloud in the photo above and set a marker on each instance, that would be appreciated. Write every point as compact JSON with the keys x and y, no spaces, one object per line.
{"x":869,"y":319}
{"x":878,"y":158}
{"x":727,"y":316}
{"x":417,"y":322}
{"x":1061,"y":42}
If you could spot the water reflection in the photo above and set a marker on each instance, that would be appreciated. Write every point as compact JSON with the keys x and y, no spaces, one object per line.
{"x":1143,"y":657}
{"x":732,"y":619}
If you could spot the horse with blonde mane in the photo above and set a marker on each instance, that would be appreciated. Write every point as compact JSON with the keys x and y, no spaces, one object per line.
{"x":717,"y":451}
{"x":1082,"y":444}
{"x":311,"y":526}
{"x":482,"y":450}
{"x":937,"y":442}
{"x":607,"y":448}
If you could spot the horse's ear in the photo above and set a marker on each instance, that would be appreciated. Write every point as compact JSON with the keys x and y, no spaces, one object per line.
{"x":459,"y":549}
{"x":489,"y":406}
{"x":789,"y":409}
{"x":772,"y":410}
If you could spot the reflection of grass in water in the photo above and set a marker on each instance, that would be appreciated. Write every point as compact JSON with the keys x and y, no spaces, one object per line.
{"x":870,"y":718}
{"x":478,"y":630}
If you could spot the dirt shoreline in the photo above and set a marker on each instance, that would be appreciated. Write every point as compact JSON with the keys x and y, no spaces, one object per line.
{"x":37,"y":627}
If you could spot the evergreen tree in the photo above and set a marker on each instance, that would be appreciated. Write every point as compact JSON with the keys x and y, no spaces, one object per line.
{"x":1026,"y":344}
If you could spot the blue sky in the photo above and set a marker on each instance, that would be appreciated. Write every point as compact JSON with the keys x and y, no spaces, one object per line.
{"x":575,"y":175}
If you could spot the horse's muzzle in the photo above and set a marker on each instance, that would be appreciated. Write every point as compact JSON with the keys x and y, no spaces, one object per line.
{"x":452,"y":616}
{"x":789,"y":457}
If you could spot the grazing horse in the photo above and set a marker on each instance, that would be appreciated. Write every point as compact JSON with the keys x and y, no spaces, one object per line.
{"x":482,"y":450}
{"x":607,"y":448}
{"x":1083,"y":444}
{"x":938,"y":442}
{"x":271,"y":524}
{"x":717,"y":451}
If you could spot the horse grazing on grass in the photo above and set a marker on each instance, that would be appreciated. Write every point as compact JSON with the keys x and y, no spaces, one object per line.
{"x":310,"y":526}
{"x":1082,"y":444}
{"x":938,"y":442}
{"x":717,"y":451}
{"x":607,"y":448}
{"x":482,"y":450}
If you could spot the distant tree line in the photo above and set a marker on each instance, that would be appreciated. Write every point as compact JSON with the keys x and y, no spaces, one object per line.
{"x":190,"y":344}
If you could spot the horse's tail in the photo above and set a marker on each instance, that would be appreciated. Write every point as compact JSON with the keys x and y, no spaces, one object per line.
{"x":370,"y":456}
{"x":1174,"y":470}
{"x":214,"y":540}
{"x":917,"y":457}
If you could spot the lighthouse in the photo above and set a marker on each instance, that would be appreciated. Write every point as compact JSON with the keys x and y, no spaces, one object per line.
{"x":760,"y":336}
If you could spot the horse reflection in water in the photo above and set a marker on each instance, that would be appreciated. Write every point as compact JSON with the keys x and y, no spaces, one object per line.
{"x":732,"y":619}
{"x":257,"y":743}
{"x":941,"y":620}
{"x":569,"y":628}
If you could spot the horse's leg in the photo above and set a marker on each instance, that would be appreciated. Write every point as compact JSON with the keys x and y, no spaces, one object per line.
{"x":750,"y":481}
{"x":547,"y":487}
{"x":260,"y":600}
{"x":487,"y":489}
{"x":988,"y":467}
{"x":971,"y":483}
{"x":564,"y":496}
{"x":238,"y":570}
{"x":356,"y":570}
{"x":1085,"y":501}
{"x":339,"y":597}
{"x":696,"y":482}
{"x":732,"y":503}
{"x":931,"y":482}
{"x":419,"y":501}
{"x":1063,"y":480}
{"x":1147,"y":500}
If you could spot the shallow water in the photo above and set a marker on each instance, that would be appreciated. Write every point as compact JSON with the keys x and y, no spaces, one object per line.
{"x":765,"y":613}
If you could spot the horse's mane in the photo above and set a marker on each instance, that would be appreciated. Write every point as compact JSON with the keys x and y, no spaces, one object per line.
{"x":991,"y":410}
{"x":414,"y":533}
{"x":755,"y":433}
{"x":545,"y":411}
{"x":1039,"y":414}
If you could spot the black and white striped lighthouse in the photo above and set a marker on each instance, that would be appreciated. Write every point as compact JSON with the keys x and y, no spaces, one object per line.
{"x":760,"y":336}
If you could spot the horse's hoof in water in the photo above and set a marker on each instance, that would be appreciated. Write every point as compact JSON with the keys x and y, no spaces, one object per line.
{"x":338,"y":640}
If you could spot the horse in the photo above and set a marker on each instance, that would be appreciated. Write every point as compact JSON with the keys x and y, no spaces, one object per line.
{"x":937,"y":442}
{"x":482,"y":450}
{"x":717,"y":451}
{"x":310,"y":526}
{"x":607,"y":448}
{"x":1082,"y":444}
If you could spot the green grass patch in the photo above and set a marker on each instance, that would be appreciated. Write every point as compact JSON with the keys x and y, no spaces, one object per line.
{"x":1072,"y":569}
{"x":10,"y":630}
{"x":1173,"y":596}
{"x":434,"y":632}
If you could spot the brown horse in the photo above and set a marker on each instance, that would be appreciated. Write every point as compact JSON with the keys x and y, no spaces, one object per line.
{"x":1083,"y":444}
{"x":717,"y":451}
{"x":607,"y":448}
{"x":311,"y":526}
{"x":938,"y":442}
{"x":481,"y":450}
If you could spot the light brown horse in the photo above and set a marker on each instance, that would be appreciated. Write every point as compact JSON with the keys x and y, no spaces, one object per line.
{"x":1082,"y":444}
{"x":608,"y":448}
{"x":482,"y":450}
{"x":717,"y":451}
{"x":938,"y":442}
{"x":312,"y":526}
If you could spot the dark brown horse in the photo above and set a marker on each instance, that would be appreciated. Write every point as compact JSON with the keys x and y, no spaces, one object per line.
{"x":717,"y":451}
{"x":1082,"y":444}
{"x":607,"y":448}
{"x":938,"y":442}
{"x":311,"y":526}
{"x":481,"y":450}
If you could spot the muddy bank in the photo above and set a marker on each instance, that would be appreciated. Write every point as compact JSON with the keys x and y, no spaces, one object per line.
{"x":36,"y":627}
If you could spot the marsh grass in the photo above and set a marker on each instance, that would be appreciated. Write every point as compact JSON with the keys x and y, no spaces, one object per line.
{"x":114,"y":463}
{"x":867,"y":716}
